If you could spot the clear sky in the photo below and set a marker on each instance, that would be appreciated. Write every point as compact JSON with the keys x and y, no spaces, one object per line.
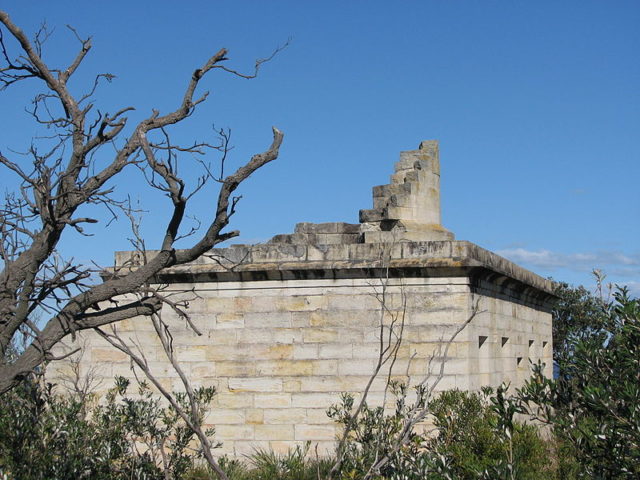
{"x":536,"y":106}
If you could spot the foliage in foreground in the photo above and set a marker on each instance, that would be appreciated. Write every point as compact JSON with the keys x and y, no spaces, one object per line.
{"x":134,"y":437}
{"x":297,"y":464}
{"x":474,"y":436}
{"x":49,"y":436}
{"x":479,"y":437}
{"x":595,"y":403}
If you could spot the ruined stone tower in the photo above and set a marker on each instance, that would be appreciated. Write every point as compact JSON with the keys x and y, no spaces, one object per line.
{"x":290,"y":324}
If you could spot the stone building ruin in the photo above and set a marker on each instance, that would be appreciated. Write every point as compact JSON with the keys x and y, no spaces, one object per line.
{"x":289,"y":324}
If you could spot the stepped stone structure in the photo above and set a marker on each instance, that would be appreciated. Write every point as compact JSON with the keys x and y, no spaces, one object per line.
{"x":290,"y":324}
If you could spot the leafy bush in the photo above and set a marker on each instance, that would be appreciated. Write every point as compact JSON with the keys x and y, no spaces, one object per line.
{"x":478,"y":436}
{"x":379,"y":444}
{"x":465,"y":435}
{"x":49,"y":436}
{"x":594,"y":405}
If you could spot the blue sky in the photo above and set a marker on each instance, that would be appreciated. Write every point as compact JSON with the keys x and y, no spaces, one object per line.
{"x":536,"y":106}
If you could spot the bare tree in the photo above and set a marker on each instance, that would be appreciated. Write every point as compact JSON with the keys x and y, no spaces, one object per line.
{"x":73,"y":171}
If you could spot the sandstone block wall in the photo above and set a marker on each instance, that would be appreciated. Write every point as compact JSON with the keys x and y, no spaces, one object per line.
{"x":281,"y":352}
{"x":289,"y":325}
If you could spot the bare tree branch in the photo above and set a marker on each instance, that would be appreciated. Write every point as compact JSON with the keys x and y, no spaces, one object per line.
{"x":65,"y":178}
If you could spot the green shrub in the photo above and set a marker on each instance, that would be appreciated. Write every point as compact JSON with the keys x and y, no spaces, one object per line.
{"x":57,"y":437}
{"x":375,"y":435}
{"x":477,"y":434}
{"x":465,"y":432}
{"x":594,"y":406}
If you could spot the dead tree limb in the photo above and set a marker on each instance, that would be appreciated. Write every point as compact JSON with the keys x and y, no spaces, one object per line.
{"x":58,"y":181}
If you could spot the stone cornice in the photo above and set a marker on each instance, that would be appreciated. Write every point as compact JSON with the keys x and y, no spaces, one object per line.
{"x":274,"y":261}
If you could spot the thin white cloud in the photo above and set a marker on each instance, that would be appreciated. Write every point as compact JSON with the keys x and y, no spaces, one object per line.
{"x":620,"y":268}
{"x":622,"y":264}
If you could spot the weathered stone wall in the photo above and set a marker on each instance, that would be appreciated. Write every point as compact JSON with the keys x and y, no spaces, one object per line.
{"x":280,"y":351}
{"x":286,"y":326}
